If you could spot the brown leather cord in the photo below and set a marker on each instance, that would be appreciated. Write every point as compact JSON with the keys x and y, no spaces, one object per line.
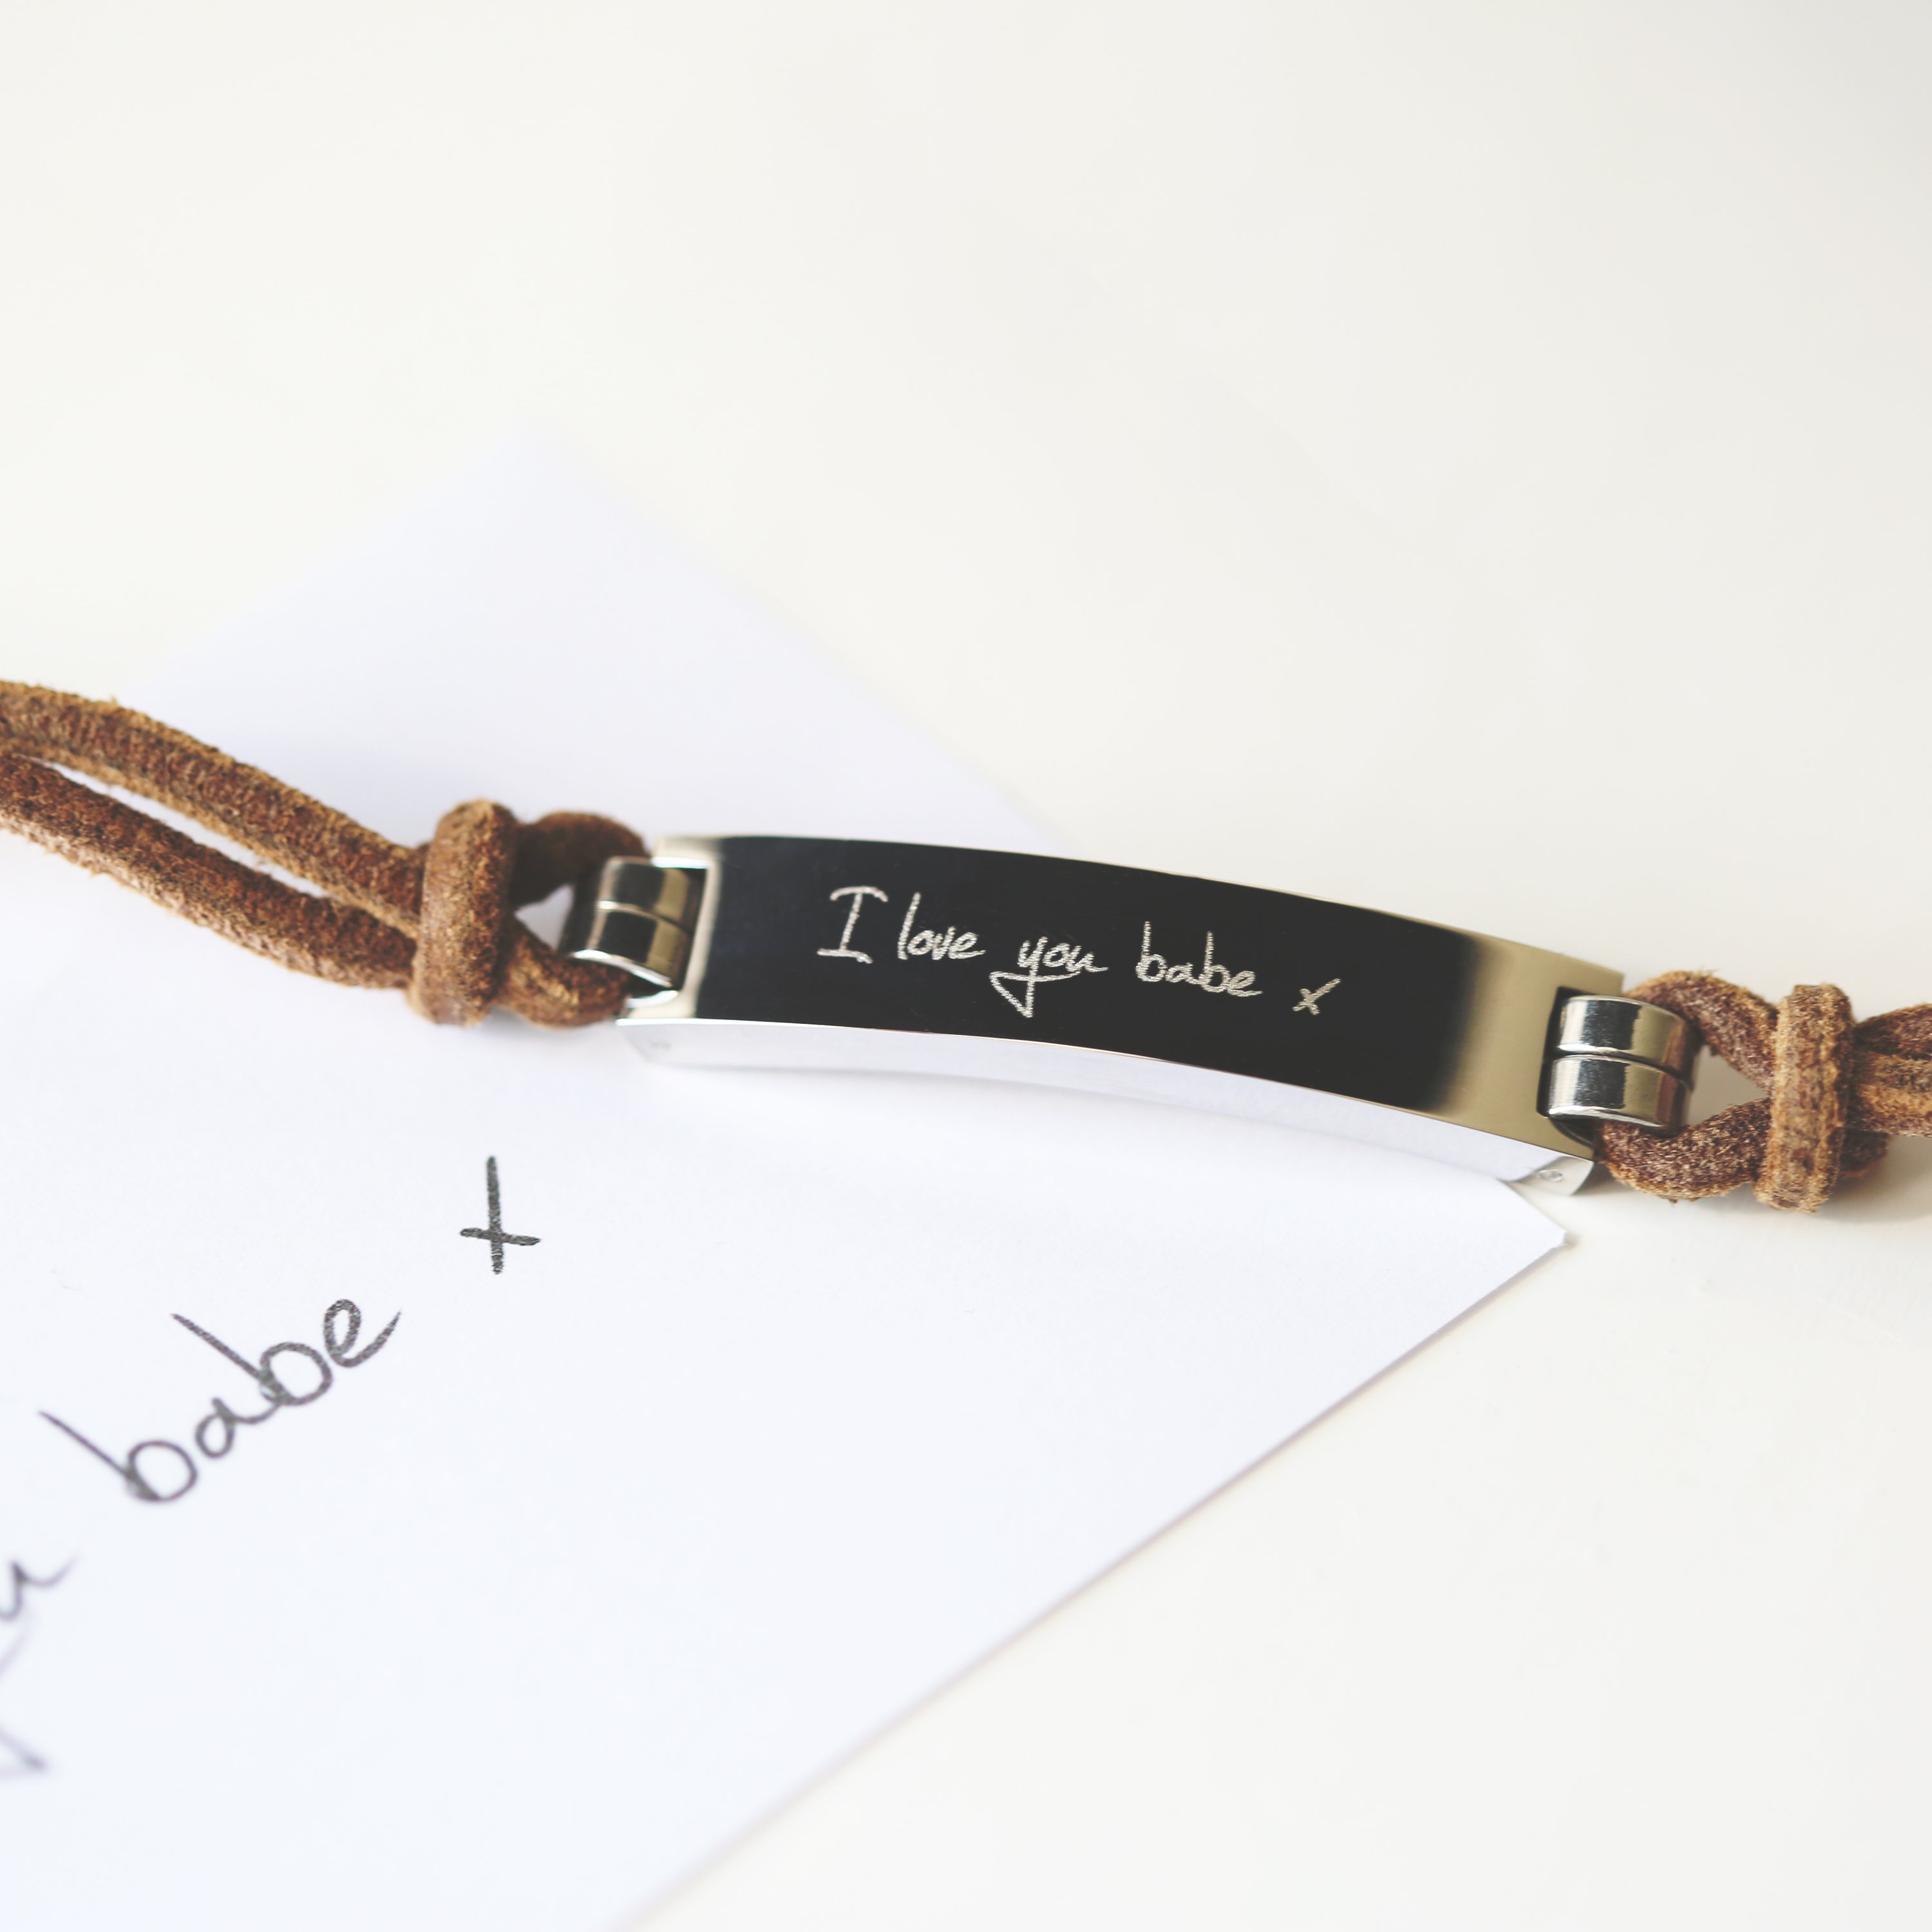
{"x":438,"y":922}
{"x":1835,"y":1091}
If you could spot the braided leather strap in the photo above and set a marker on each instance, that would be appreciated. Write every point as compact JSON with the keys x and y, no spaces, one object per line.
{"x":1835,"y":1090}
{"x":438,"y":921}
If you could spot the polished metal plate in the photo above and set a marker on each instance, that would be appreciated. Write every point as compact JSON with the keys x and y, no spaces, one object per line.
{"x":837,"y":953}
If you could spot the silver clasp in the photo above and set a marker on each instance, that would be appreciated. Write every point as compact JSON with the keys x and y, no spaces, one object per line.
{"x":639,"y":915}
{"x":1617,"y":1059}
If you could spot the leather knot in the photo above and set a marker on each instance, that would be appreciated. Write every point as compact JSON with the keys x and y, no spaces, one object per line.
{"x":472,"y":952}
{"x":1811,"y":1095}
{"x":438,"y":922}
{"x":1835,"y":1090}
{"x":466,"y":893}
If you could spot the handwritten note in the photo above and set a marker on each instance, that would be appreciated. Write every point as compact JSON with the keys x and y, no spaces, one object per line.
{"x":467,"y":1477}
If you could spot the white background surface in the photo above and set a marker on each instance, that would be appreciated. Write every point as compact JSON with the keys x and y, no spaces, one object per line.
{"x":1412,"y":454}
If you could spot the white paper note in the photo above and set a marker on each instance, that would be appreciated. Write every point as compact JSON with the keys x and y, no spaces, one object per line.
{"x":812,"y":1389}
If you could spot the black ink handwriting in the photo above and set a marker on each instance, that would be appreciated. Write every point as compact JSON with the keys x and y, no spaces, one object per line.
{"x":493,"y":1234}
{"x":18,"y":1583}
{"x":18,"y":1759}
{"x":168,"y":1481}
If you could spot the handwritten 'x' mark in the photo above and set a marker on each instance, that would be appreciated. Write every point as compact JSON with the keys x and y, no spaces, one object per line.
{"x":1306,"y":1004}
{"x":494,"y":1233}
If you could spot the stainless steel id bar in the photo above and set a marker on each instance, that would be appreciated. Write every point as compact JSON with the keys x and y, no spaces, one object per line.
{"x":841,"y":954}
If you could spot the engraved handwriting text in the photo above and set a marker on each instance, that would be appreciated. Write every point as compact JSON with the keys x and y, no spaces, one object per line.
{"x":845,"y":949}
{"x":1044,"y":960}
{"x":1040,"y":964}
{"x":1211,"y":976}
{"x":951,"y":944}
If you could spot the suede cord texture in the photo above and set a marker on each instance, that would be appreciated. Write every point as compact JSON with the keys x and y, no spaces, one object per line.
{"x":438,"y":922}
{"x":1835,"y":1090}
